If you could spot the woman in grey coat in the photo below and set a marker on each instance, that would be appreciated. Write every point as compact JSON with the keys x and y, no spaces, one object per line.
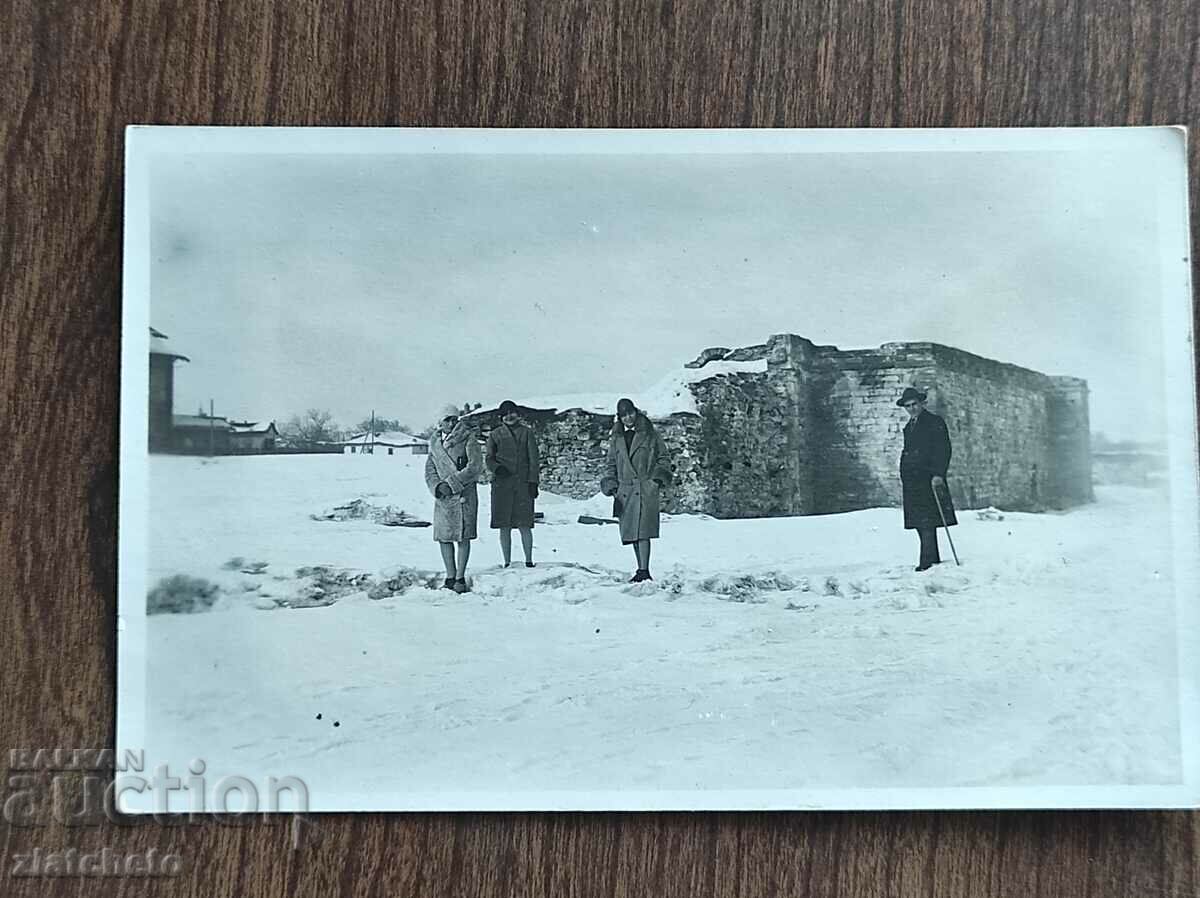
{"x":451,"y":472}
{"x":638,"y":469}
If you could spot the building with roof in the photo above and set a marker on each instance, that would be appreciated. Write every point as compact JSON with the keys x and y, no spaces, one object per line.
{"x":385,"y":443}
{"x":162,"y":391}
{"x":199,"y":435}
{"x":249,"y":437}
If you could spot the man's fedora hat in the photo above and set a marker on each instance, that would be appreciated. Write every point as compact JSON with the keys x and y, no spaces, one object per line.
{"x":909,"y":394}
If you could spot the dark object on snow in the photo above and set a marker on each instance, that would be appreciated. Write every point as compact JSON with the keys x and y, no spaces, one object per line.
{"x":360,"y":509}
{"x":529,"y":564}
{"x":181,"y":594}
{"x":396,"y":584}
{"x":588,"y":519}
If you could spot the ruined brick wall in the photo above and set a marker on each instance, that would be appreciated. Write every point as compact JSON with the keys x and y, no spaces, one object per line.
{"x":1004,"y":423}
{"x":819,"y":432}
{"x":573,"y":449}
{"x":857,"y":427}
{"x":999,"y":427}
{"x":740,"y":449}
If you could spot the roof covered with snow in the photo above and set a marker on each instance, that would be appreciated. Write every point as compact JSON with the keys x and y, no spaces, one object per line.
{"x":199,"y":421}
{"x":387,"y":438}
{"x":670,"y":396}
{"x":158,"y":345}
{"x":249,"y":427}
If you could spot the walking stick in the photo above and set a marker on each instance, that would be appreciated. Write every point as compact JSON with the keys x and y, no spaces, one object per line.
{"x":944,"y":524}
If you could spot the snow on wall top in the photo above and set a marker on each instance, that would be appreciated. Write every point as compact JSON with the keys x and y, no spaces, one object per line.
{"x":669,"y":396}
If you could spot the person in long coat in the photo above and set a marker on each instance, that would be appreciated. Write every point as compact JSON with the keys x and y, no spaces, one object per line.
{"x":512,"y":459}
{"x":452,"y":470}
{"x":923,"y":466}
{"x":637,"y":471}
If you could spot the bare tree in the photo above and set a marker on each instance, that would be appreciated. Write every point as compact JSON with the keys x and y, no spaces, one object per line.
{"x":314,"y":426}
{"x":382,"y":425}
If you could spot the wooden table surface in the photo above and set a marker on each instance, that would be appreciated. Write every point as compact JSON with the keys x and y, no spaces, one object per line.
{"x":75,"y":73}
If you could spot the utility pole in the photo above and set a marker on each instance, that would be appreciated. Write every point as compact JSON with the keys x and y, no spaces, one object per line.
{"x":212,"y":434}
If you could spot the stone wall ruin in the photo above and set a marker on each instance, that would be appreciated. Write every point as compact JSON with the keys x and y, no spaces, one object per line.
{"x":819,"y":432}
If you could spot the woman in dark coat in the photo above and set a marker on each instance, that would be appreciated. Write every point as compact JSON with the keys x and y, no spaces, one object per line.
{"x":637,"y":471}
{"x":451,"y":472}
{"x":512,"y":458}
{"x":923,"y":465}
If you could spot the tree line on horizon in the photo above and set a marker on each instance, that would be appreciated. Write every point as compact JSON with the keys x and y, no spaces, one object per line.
{"x":316,"y":426}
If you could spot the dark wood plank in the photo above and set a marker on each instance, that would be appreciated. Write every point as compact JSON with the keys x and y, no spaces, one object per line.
{"x":73,"y":74}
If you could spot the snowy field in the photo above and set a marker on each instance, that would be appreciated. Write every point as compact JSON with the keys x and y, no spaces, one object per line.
{"x":771,"y":653}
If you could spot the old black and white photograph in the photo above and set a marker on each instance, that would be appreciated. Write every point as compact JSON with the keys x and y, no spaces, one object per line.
{"x":660,"y":470}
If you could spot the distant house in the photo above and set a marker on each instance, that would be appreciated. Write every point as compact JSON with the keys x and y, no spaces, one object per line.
{"x":249,"y":437}
{"x":200,"y":435}
{"x":386,"y":443}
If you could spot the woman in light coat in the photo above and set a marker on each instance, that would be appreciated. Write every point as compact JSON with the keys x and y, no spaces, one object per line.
{"x":451,"y":472}
{"x":637,"y":471}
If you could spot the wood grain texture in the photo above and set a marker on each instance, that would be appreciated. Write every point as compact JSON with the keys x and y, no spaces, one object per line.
{"x":73,"y":74}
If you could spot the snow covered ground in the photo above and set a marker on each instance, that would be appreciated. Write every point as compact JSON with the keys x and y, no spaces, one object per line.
{"x":772,"y":653}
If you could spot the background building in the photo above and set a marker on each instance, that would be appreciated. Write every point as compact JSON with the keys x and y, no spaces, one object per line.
{"x":162,"y":391}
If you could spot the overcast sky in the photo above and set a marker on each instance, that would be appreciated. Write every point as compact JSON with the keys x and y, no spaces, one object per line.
{"x":401,"y":283}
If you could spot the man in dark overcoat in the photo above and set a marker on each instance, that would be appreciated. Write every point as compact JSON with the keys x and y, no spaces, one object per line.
{"x":923,"y":465}
{"x":512,"y":458}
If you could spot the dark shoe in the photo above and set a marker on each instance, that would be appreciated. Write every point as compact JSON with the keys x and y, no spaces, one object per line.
{"x":922,"y":567}
{"x":460,"y":586}
{"x":640,"y":576}
{"x":448,"y":583}
{"x":529,"y":564}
